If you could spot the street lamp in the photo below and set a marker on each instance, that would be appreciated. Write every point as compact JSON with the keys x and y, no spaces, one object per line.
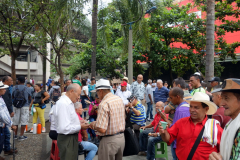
{"x":151,"y":10}
{"x":130,"y":43}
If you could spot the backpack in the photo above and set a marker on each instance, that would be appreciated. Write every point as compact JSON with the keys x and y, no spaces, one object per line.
{"x":19,"y":98}
{"x":56,"y":94}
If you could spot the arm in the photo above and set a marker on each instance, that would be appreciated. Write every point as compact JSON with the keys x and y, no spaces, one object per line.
{"x":84,"y":135}
{"x":167,"y":109}
{"x":164,"y":133}
{"x":30,"y":106}
{"x":46,"y":97}
{"x":148,"y":126}
{"x":85,"y":94}
{"x":137,"y":112}
{"x":5,"y":117}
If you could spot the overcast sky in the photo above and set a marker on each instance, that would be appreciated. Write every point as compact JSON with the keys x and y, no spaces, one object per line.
{"x":88,"y":7}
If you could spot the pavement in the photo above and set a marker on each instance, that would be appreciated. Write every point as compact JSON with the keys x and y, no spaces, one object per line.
{"x":38,"y":146}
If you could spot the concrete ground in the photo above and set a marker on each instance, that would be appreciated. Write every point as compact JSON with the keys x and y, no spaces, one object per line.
{"x":38,"y":146}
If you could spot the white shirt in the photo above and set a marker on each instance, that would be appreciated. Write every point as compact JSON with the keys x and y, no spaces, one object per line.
{"x":128,"y":87}
{"x":123,"y":95}
{"x":154,"y":88}
{"x":52,"y":120}
{"x":66,"y":119}
{"x":84,"y":88}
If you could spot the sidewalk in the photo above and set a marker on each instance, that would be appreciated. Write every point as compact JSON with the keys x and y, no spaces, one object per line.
{"x":38,"y":146}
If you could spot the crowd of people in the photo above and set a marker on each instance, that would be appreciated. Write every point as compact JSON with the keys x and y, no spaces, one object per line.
{"x":92,"y":116}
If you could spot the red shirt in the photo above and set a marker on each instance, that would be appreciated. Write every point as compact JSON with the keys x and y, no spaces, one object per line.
{"x":186,"y":134}
{"x":156,"y":121}
{"x":80,"y":131}
{"x":219,"y":115}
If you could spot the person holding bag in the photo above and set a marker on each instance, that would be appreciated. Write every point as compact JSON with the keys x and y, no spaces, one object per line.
{"x":39,"y":101}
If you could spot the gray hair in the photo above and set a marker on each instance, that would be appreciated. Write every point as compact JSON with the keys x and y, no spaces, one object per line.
{"x":149,"y":81}
{"x":77,"y":105}
{"x":159,"y":80}
{"x":72,"y":86}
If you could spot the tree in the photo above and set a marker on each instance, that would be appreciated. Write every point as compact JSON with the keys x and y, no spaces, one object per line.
{"x":16,"y":23}
{"x":94,"y":36}
{"x":210,"y":28}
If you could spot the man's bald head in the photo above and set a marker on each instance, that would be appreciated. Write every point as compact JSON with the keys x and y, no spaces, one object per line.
{"x":73,"y":87}
{"x":139,"y":78}
{"x":73,"y":92}
{"x":160,"y":105}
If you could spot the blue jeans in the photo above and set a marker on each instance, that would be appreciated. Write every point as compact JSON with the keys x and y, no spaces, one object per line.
{"x":6,"y":142}
{"x":148,"y":144}
{"x":173,"y":150}
{"x":84,"y":105}
{"x":149,"y":110}
{"x":92,"y":148}
{"x":91,"y":119}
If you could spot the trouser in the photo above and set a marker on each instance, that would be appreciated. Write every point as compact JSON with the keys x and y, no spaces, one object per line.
{"x":53,"y":135}
{"x":39,"y":113}
{"x":1,"y":139}
{"x":149,"y":110}
{"x":92,"y":148}
{"x":148,"y":144}
{"x":84,"y":105}
{"x":7,"y":135}
{"x":173,"y":152}
{"x":68,"y":146}
{"x":136,"y":128}
{"x":111,"y":148}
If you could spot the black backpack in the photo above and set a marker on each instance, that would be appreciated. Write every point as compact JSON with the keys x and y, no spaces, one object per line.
{"x":19,"y":98}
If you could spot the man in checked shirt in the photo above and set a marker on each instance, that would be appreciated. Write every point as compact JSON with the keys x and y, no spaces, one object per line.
{"x":5,"y":119}
{"x":110,"y":123}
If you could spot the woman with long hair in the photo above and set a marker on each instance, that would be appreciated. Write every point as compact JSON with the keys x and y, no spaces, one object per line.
{"x":38,"y":102}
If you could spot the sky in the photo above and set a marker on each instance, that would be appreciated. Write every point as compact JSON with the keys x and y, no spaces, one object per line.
{"x":88,"y":7}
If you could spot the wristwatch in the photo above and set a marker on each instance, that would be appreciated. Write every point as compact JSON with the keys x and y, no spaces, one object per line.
{"x":158,"y":134}
{"x":131,"y":107}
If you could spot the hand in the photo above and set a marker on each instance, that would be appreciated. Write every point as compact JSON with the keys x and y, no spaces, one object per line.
{"x":95,"y":107}
{"x":92,"y":125}
{"x":161,"y":130}
{"x":215,"y":156}
{"x":88,"y":98}
{"x":42,"y":101}
{"x":14,"y":127}
{"x":129,"y":105}
{"x":30,"y":108}
{"x":84,"y":126}
{"x":151,"y":102}
{"x":153,"y":134}
{"x":143,"y":128}
{"x":12,"y":114}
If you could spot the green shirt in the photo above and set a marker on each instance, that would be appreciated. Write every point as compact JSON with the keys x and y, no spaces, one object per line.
{"x":199,"y":89}
{"x":77,"y":81}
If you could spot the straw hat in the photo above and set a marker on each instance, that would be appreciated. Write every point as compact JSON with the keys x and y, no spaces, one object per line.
{"x":204,"y":98}
{"x":125,"y":78}
{"x":102,"y":84}
{"x":2,"y":86}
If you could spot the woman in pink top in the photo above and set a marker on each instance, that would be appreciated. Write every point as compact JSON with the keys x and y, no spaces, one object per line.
{"x":82,"y":135}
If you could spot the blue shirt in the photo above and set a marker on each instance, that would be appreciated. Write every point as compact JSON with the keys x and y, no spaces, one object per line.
{"x":90,"y":88}
{"x":139,"y":120}
{"x":161,"y":94}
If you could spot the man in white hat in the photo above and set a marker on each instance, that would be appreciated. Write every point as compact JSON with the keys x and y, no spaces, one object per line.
{"x":5,"y":119}
{"x":197,"y":136}
{"x":110,"y":123}
{"x":230,"y":142}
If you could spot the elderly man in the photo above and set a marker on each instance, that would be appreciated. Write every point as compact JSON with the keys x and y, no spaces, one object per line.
{"x":8,"y":101}
{"x":194,"y":137}
{"x":5,"y":119}
{"x":125,"y":79}
{"x":123,"y":93}
{"x":138,"y":89}
{"x":110,"y":123}
{"x":195,"y":82}
{"x":161,"y":92}
{"x":67,"y":123}
{"x":149,"y":100}
{"x":219,"y":115}
{"x":230,"y":142}
{"x":147,"y":144}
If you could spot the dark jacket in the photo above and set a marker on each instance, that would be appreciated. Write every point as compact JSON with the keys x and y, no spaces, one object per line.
{"x":8,"y":100}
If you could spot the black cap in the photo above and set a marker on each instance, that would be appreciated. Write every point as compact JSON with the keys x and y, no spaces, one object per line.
{"x":217,"y":79}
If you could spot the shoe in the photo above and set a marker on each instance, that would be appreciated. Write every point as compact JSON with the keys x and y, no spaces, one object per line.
{"x":43,"y":129}
{"x":31,"y":130}
{"x":15,"y":137}
{"x":10,"y":152}
{"x":1,"y":158}
{"x":142,"y":153}
{"x":21,"y":138}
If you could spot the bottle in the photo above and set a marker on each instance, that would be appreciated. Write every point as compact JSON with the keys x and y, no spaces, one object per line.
{"x":26,"y":128}
{"x":39,"y":128}
{"x":34,"y":128}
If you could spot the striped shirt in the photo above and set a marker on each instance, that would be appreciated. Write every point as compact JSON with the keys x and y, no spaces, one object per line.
{"x":4,"y":114}
{"x":140,"y":120}
{"x":111,"y":115}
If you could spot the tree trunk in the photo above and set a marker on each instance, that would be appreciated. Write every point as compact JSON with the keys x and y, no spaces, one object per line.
{"x":94,"y":37}
{"x":13,"y":68}
{"x":170,"y":70}
{"x":209,"y":70}
{"x":44,"y":72}
{"x":60,"y":72}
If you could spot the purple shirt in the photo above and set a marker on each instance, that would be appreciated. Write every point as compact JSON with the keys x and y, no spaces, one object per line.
{"x":180,"y":112}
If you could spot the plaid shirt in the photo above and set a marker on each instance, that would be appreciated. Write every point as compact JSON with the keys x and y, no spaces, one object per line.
{"x":111,"y":115}
{"x":4,"y":114}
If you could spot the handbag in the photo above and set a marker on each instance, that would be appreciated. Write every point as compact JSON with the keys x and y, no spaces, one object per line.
{"x":196,"y":144}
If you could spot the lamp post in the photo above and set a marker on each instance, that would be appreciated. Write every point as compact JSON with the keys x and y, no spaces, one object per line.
{"x":130,"y":43}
